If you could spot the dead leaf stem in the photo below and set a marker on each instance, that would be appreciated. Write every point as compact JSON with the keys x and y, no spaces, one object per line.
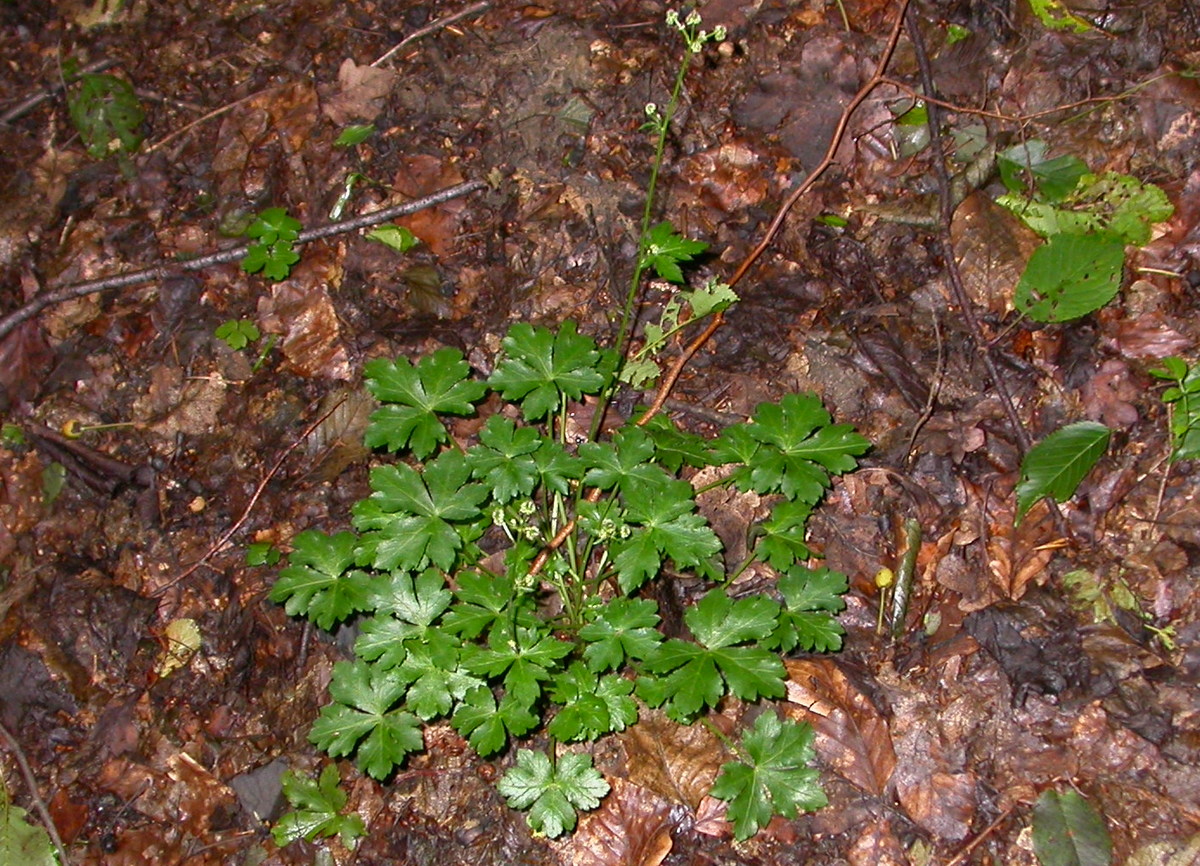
{"x":161,"y":271}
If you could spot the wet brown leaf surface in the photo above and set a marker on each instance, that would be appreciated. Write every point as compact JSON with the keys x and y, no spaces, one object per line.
{"x":932,"y":748}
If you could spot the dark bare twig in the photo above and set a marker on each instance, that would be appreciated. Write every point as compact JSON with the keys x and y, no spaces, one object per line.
{"x":159,"y":272}
{"x":34,"y":794}
{"x":432,"y":27}
{"x":946,"y":246}
{"x":49,"y":92}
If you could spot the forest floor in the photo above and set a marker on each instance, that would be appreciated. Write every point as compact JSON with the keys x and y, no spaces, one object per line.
{"x":1059,"y":653}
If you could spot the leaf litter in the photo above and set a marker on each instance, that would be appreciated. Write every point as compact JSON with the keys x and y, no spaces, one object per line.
{"x":1004,"y":685}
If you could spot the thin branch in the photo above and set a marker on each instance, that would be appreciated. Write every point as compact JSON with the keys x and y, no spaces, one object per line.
{"x":49,"y":92}
{"x":34,"y":794}
{"x":433,"y":27}
{"x":162,"y":271}
{"x":216,"y":112}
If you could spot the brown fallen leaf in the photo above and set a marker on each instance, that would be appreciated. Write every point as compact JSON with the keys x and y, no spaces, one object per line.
{"x":852,"y":735}
{"x":675,"y":762}
{"x":992,"y":247}
{"x":301,"y":308}
{"x":359,"y":94}
{"x":632,"y":827}
{"x":877,"y":845}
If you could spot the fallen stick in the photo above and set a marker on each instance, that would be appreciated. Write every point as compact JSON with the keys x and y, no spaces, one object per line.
{"x":158,"y":272}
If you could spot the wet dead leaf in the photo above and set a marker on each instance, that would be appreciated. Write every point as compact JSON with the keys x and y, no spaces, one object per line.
{"x":852,"y":736}
{"x":675,"y":762}
{"x":877,"y":845}
{"x":301,"y":308}
{"x":359,"y":95}
{"x":992,"y":247}
{"x":632,"y":827}
{"x":1150,"y":335}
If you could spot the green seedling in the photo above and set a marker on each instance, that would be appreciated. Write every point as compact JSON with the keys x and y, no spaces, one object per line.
{"x":273,"y":252}
{"x":316,"y":810}
{"x":12,"y":436}
{"x":20,"y":841}
{"x":1183,"y":402}
{"x":262,"y":553}
{"x":237,"y":334}
{"x":396,"y":237}
{"x":354,"y":134}
{"x":240,"y":333}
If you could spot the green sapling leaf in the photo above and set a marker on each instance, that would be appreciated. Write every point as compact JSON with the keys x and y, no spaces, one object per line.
{"x":354,"y":134}
{"x":1055,"y":466}
{"x":107,"y":114}
{"x":397,"y":237}
{"x":414,"y":519}
{"x":504,"y":460}
{"x":810,"y":598}
{"x":623,"y":629}
{"x":1070,"y":276}
{"x":486,"y":725}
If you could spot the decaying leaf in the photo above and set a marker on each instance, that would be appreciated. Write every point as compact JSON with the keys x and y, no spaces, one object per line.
{"x":360,"y":93}
{"x":678,"y":763}
{"x":632,"y":827}
{"x":852,"y":736}
{"x":301,"y":307}
{"x":992,"y":247}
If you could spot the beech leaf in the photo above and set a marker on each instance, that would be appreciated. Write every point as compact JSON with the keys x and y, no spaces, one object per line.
{"x":1055,"y":466}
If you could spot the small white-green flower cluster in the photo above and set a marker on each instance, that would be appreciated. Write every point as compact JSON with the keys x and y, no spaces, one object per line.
{"x":688,"y":27}
{"x":522,"y":526}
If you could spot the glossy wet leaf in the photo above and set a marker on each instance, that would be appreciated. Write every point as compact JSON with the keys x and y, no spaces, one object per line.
{"x":773,"y":776}
{"x":552,"y":792}
{"x":1055,"y":466}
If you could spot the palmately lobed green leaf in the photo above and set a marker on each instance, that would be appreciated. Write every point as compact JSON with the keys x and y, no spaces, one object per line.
{"x":414,"y":396}
{"x":316,"y":584}
{"x":552,"y":792}
{"x":419,"y":601}
{"x":625,"y":628}
{"x":775,"y":780}
{"x":542,"y":369}
{"x":718,"y":621}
